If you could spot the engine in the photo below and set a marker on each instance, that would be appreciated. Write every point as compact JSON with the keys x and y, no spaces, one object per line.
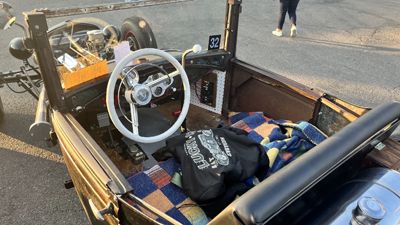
{"x":95,"y":41}
{"x":371,"y":198}
{"x":89,"y":37}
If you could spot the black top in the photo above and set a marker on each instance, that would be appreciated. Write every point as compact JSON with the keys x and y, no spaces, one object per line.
{"x":212,"y":160}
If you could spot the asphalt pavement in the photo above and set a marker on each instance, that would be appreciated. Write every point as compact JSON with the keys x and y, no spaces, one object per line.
{"x":349,"y":48}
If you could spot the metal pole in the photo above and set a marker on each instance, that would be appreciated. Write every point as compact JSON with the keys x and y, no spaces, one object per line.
{"x":41,"y":128}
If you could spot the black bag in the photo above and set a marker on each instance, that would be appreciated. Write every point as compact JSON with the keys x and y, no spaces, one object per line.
{"x":214,"y":160}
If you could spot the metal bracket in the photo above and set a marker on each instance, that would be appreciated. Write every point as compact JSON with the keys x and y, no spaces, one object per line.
{"x":380,"y":146}
{"x":38,"y":33}
{"x":68,"y":184}
{"x":99,"y":214}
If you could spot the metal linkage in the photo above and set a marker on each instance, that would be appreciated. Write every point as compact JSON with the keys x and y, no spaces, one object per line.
{"x":29,"y":82}
{"x":14,"y":76}
{"x":60,"y":12}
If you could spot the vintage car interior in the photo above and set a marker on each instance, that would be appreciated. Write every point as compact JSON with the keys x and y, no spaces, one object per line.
{"x":132,"y":113}
{"x":119,"y":98}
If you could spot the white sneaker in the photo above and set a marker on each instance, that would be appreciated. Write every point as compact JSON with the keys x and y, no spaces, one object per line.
{"x":293,"y":31}
{"x":277,"y":33}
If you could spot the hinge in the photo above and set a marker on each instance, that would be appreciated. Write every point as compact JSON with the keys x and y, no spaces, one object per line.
{"x":380,"y":146}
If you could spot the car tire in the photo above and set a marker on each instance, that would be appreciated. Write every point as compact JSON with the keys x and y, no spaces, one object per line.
{"x":138,"y":32}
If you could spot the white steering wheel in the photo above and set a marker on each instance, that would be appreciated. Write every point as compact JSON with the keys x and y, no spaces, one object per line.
{"x":141,"y":94}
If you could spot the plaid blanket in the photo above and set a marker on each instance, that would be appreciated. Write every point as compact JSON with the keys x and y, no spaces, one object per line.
{"x":283,"y":140}
{"x":154,"y":187}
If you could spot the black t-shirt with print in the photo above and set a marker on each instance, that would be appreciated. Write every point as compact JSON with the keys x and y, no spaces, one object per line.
{"x":214,"y":160}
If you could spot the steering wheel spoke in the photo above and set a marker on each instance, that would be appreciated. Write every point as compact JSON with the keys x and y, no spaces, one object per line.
{"x":163,"y":79}
{"x":134,"y":119}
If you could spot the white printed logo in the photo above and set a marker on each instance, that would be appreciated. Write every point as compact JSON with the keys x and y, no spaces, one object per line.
{"x":208,"y":141}
{"x":194,"y":152}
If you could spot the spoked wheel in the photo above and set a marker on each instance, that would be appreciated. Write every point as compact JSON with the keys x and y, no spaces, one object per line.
{"x":138,"y":33}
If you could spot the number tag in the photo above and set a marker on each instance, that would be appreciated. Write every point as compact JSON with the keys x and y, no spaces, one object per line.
{"x":214,"y":42}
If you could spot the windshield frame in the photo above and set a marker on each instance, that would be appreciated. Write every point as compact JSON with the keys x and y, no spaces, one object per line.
{"x":36,"y":21}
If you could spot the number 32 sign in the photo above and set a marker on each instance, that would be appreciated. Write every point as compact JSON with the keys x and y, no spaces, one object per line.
{"x":214,"y":42}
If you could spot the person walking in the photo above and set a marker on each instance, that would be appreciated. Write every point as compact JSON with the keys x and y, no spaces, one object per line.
{"x":290,"y":7}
